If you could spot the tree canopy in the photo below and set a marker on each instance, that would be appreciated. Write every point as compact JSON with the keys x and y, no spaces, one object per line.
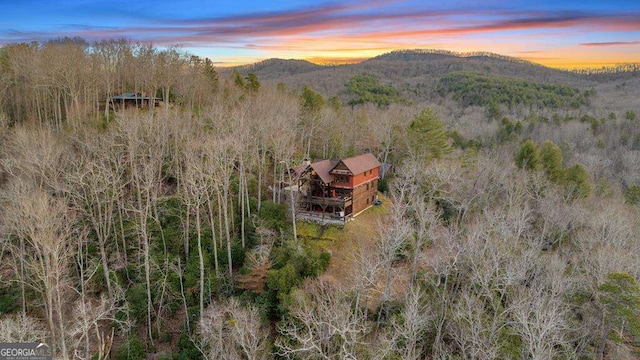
{"x":368,"y":89}
{"x":471,"y":88}
{"x":427,"y":135}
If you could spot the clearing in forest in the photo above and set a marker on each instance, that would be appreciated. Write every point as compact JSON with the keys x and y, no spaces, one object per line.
{"x":342,"y":243}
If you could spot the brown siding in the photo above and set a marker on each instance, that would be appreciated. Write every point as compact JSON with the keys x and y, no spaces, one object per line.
{"x":363,"y":198}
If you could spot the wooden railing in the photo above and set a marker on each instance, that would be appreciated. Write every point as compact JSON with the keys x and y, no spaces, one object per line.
{"x":342,"y":201}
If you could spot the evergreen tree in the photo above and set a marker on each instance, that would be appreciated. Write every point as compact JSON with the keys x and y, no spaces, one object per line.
{"x":551,"y":160}
{"x":576,"y":182}
{"x":238,"y":79}
{"x":632,"y":195}
{"x":528,"y":156}
{"x":427,"y":135}
{"x":312,"y":102}
{"x":619,"y":297}
{"x":252,"y":84}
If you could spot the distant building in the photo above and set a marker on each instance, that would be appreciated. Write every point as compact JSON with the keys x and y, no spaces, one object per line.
{"x":337,"y":190}
{"x":130,"y":99}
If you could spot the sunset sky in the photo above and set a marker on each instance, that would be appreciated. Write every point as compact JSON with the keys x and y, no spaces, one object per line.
{"x":566,"y":34}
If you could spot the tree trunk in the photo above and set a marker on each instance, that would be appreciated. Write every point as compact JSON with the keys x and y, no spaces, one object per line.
{"x":200,"y":260}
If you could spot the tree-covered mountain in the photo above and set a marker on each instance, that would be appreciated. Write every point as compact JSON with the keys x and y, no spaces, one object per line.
{"x":413,"y":72}
{"x":507,"y":223}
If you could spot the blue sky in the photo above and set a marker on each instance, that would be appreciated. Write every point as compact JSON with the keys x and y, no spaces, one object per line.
{"x":556,"y":33}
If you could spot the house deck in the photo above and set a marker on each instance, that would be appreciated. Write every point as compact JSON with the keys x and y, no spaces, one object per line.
{"x":323,"y":219}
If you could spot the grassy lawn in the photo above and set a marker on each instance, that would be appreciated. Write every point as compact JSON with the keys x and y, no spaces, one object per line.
{"x":341,"y":243}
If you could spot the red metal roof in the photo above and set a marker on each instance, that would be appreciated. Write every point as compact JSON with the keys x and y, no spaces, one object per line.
{"x":357,"y":165}
{"x":361,"y":163}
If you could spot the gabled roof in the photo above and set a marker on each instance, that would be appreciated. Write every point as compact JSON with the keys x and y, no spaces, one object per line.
{"x":322,"y":168}
{"x":361,"y":163}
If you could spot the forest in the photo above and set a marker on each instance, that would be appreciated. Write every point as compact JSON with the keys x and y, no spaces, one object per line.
{"x":509,"y":228}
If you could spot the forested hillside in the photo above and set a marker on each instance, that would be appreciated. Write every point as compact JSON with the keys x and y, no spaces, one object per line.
{"x":510,"y":227}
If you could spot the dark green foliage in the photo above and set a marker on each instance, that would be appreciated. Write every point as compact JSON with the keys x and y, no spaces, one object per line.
{"x":187,"y":349}
{"x":528,"y":156}
{"x":9,"y":298}
{"x":335,"y":103}
{"x":551,"y":160}
{"x":489,"y":90}
{"x":576,"y":182}
{"x":448,"y":212}
{"x":210,"y":72}
{"x":630,"y":115}
{"x":237,"y":255}
{"x":312,"y":102}
{"x":305,"y":258}
{"x":511,"y":343}
{"x":595,"y":124}
{"x":460,"y":142}
{"x":132,"y":349}
{"x":238,"y":79}
{"x":368,"y":89}
{"x":427,"y":135}
{"x":620,"y":297}
{"x":171,"y":214}
{"x":493,"y":111}
{"x":383,"y":184}
{"x":274,"y":215}
{"x":252,"y":84}
{"x":282,"y":280}
{"x":632,"y":195}
{"x":137,"y":299}
{"x":292,"y":262}
{"x":508,"y":130}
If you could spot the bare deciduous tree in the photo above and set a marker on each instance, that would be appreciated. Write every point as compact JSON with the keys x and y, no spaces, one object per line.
{"x":322,"y":325}
{"x":21,"y":328}
{"x":229,"y":330}
{"x":42,"y":226}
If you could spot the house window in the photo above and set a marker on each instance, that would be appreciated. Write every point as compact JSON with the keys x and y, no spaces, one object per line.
{"x":367,"y":186}
{"x":367,"y":201}
{"x":342,"y":179}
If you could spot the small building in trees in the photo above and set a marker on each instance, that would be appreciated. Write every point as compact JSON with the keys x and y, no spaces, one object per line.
{"x":131,"y":99}
{"x":334,"y":191}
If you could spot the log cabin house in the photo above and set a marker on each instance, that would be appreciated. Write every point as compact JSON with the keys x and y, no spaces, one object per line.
{"x":130,"y":99}
{"x":334,"y":191}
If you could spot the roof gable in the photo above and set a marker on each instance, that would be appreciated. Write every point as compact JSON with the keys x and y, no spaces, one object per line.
{"x":322,"y":168}
{"x":359,"y":164}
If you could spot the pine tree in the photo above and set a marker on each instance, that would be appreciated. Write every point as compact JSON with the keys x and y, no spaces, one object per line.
{"x":576,"y":182}
{"x":427,"y":135}
{"x":551,"y":160}
{"x":528,"y":156}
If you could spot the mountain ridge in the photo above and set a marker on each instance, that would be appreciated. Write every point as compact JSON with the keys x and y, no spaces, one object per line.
{"x":417,"y":74}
